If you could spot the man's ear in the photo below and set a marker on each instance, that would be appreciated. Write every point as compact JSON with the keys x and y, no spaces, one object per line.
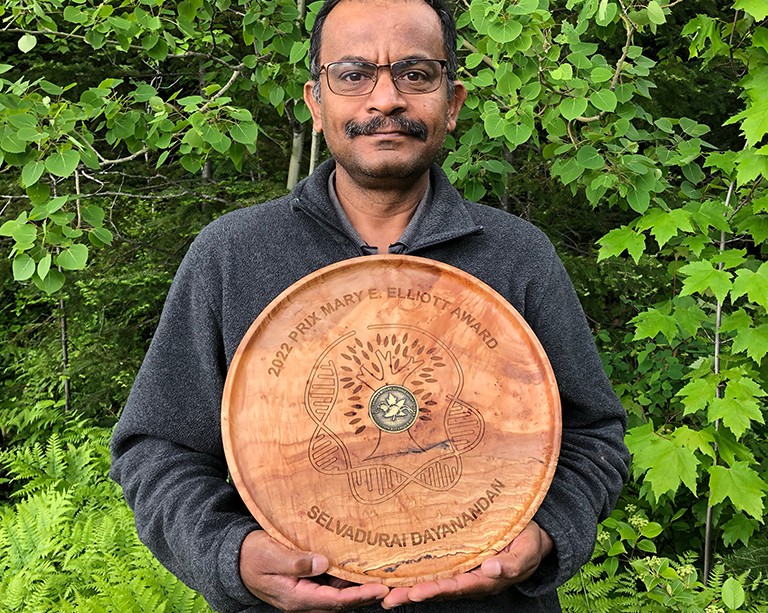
{"x":314,"y":106}
{"x":455,"y":104}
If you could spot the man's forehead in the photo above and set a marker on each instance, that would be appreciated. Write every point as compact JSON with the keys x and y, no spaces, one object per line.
{"x":360,"y":27}
{"x":382,"y":3}
{"x":393,"y":5}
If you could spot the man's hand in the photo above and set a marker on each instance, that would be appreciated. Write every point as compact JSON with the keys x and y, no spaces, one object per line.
{"x":290,"y":580}
{"x":515,"y":563}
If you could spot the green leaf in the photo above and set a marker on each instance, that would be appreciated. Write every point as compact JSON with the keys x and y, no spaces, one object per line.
{"x":693,"y":128}
{"x":697,"y":395}
{"x":616,"y":241}
{"x":665,"y":225}
{"x":144,"y":92}
{"x":23,"y":267}
{"x":656,"y":13}
{"x":733,"y":593}
{"x":571,"y":108}
{"x":646,"y":545}
{"x":653,"y":322}
{"x":738,"y":528}
{"x":52,"y":283}
{"x":190,"y":163}
{"x":494,"y":124}
{"x":161,"y":158}
{"x":667,"y":465}
{"x":757,"y":8}
{"x":74,"y":14}
{"x":580,"y":60}
{"x":564,"y":72}
{"x":245,"y":132}
{"x":617,"y":549}
{"x":757,"y":226}
{"x":298,"y":52}
{"x":639,"y":199}
{"x":568,"y":170}
{"x":703,"y":277}
{"x":92,"y":215}
{"x":699,"y":440}
{"x":102,"y":235}
{"x":507,"y":82}
{"x":517,"y":133}
{"x":736,"y":414}
{"x":604,"y":100}
{"x":62,"y":163}
{"x":606,"y":12}
{"x":44,"y":265}
{"x":754,"y":122}
{"x":651,"y":530}
{"x":601,"y":74}
{"x":31,"y":172}
{"x":753,"y":342}
{"x":159,"y":50}
{"x":276,"y":95}
{"x":73,"y":258}
{"x":741,"y":485}
{"x":523,"y":7}
{"x":750,"y":165}
{"x":26,"y":43}
{"x":590,"y":158}
{"x":506,"y":31}
{"x":24,"y":234}
{"x":753,"y":284}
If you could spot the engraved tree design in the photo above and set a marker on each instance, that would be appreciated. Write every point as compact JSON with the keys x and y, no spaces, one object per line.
{"x":351,"y":371}
{"x":397,"y":359}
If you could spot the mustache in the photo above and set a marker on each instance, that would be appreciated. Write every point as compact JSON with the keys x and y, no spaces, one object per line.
{"x":396,"y":123}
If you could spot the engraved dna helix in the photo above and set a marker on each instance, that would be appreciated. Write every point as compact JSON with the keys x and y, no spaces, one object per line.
{"x":375,"y":482}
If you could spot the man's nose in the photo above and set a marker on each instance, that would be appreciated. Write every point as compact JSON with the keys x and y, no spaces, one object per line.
{"x":385,"y":97}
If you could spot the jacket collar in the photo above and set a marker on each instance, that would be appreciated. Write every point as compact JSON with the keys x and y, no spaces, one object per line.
{"x":446,"y":218}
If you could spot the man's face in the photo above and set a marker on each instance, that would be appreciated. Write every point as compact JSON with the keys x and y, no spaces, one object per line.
{"x":383,"y":33}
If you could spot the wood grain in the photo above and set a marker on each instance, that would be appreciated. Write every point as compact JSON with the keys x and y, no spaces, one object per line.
{"x":395,"y":414}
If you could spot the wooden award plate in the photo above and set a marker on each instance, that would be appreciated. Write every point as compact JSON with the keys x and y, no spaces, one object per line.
{"x":395,"y":414}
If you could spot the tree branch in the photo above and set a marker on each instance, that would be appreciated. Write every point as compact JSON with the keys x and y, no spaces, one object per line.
{"x":186,"y":54}
{"x":235,"y":73}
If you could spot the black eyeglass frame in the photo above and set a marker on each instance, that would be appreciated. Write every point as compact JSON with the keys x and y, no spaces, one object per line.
{"x":443,"y":68}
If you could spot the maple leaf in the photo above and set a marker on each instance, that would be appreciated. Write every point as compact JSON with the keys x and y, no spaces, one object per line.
{"x":703,"y":276}
{"x":652,"y":322}
{"x":741,"y":484}
{"x":393,"y":408}
{"x":666,"y":462}
{"x":754,"y":341}
{"x":753,"y":284}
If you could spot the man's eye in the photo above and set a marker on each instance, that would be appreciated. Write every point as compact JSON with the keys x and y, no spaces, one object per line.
{"x":414,"y":76}
{"x":353,"y":77}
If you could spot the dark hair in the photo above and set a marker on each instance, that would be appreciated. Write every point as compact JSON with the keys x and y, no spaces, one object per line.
{"x":447,"y":24}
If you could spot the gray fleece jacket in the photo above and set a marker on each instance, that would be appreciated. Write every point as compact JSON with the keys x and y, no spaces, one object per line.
{"x":167,"y":447}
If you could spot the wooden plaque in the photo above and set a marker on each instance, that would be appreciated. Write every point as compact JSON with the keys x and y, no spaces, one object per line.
{"x":395,"y":414}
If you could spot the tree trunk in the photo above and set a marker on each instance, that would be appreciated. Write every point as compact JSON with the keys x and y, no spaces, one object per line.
{"x":314,"y":151}
{"x":64,"y":355}
{"x":297,"y":146}
{"x":297,"y":150}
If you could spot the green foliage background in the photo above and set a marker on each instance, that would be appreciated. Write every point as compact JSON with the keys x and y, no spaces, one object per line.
{"x":633,"y":133}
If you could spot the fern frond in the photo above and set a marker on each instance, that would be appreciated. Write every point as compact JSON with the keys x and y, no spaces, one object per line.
{"x":33,"y":528}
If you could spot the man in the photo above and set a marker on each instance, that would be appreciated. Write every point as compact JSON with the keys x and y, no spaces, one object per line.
{"x":384,"y":95}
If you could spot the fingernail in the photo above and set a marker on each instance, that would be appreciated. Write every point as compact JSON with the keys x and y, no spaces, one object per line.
{"x":318,"y":565}
{"x":492,"y":568}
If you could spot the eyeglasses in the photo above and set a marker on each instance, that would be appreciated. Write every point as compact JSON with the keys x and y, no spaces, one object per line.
{"x":409,"y":76}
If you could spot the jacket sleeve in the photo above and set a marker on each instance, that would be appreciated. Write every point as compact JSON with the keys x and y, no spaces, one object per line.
{"x":592,"y":466}
{"x":167,"y":449}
